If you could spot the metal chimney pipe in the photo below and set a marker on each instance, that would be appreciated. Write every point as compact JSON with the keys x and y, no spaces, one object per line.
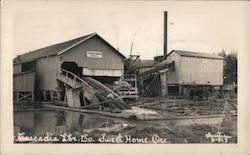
{"x":165,"y":40}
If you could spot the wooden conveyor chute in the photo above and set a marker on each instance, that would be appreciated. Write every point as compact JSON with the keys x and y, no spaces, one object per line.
{"x":97,"y":94}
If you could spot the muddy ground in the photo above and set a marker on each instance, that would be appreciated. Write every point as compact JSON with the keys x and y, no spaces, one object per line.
{"x":195,"y":133}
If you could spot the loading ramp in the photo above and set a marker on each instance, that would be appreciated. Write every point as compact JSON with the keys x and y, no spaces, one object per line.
{"x":94,"y":91}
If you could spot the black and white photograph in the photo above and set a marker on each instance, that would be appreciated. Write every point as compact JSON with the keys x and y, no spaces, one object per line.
{"x":125,"y":72}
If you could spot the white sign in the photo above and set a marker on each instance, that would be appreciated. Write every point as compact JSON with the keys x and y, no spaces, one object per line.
{"x":94,"y":54}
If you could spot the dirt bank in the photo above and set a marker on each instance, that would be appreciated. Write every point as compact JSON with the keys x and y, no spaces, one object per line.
{"x":195,"y":133}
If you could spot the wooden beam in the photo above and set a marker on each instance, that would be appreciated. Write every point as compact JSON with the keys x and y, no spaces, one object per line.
{"x":25,"y":96}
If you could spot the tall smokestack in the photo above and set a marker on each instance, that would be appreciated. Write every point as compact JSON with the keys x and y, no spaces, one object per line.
{"x":165,"y":40}
{"x":163,"y":77}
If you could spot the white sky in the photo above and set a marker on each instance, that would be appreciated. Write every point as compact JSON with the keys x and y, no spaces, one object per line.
{"x":201,"y":26}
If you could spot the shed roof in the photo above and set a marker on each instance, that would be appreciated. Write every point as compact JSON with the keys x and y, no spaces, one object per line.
{"x":60,"y":48}
{"x":145,"y":63}
{"x":196,"y":54}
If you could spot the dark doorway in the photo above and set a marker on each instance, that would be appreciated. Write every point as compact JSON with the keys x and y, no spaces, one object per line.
{"x":72,"y":67}
{"x":173,"y":90}
{"x":28,"y":66}
{"x":192,"y":94}
{"x":105,"y":79}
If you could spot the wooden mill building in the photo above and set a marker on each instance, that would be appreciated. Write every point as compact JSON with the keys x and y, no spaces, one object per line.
{"x":194,"y":70}
{"x":35,"y":72}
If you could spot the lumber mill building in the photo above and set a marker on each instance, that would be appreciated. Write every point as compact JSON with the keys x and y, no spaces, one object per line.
{"x":44,"y":73}
{"x":36,"y":72}
{"x":194,"y":73}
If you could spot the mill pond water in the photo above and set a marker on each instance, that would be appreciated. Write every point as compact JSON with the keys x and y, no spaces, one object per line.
{"x":41,"y":122}
{"x":91,"y":128}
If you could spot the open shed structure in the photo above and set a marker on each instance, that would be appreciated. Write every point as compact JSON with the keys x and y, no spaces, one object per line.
{"x":194,"y":71}
{"x":89,"y":55}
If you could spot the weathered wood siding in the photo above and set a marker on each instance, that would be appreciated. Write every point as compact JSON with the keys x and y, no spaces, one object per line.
{"x":173,"y":76}
{"x":201,"y":71}
{"x":190,"y":70}
{"x":46,"y":69}
{"x":17,"y":68}
{"x":24,"y":82}
{"x":110,"y":59}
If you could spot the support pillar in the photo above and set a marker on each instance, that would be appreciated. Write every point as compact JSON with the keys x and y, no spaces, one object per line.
{"x":89,"y":93}
{"x":180,"y":91}
{"x":17,"y":98}
{"x":33,"y":96}
{"x":59,"y":93}
{"x":73,"y":98}
{"x":164,"y":87}
{"x":44,"y":95}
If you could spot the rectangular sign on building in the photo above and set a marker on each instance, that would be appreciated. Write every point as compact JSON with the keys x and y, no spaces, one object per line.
{"x":94,"y":54}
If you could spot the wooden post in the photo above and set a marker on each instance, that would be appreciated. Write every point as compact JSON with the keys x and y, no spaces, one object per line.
{"x":69,"y":95}
{"x":32,"y":98}
{"x":51,"y":95}
{"x":17,"y":98}
{"x":59,"y":91}
{"x":65,"y":94}
{"x":141,"y":86}
{"x":180,"y":90}
{"x":67,"y":77}
{"x":73,"y":97}
{"x":194,"y":93}
{"x":44,"y":95}
{"x":74,"y":81}
{"x":164,"y":91}
{"x":227,"y":110}
{"x":158,"y":82}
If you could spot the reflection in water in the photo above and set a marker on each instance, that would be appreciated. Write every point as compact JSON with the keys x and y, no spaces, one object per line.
{"x":56,"y":122}
{"x":39,"y":123}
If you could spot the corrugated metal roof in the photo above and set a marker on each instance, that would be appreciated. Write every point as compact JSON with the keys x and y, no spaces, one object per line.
{"x":196,"y":54}
{"x":59,"y":48}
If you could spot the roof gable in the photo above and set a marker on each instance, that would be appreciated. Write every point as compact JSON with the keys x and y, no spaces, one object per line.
{"x":60,"y":48}
{"x":196,"y":54}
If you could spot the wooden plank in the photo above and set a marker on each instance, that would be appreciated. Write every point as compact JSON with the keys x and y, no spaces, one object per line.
{"x":115,"y":115}
{"x":98,"y":85}
{"x":69,"y":95}
{"x":129,"y":116}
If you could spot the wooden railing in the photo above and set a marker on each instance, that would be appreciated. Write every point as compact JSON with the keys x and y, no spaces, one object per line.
{"x":75,"y":78}
{"x":128,"y":93}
